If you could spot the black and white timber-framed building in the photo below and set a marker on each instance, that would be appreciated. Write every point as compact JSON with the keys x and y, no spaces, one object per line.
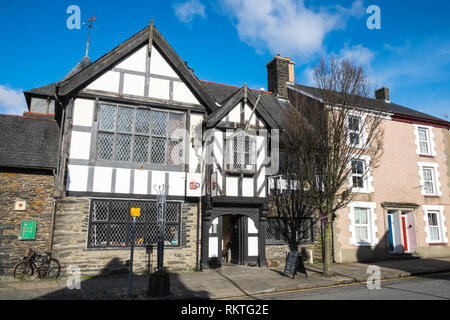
{"x":138,"y":120}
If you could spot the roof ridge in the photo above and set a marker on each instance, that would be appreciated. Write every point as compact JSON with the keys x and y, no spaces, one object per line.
{"x":232,"y":86}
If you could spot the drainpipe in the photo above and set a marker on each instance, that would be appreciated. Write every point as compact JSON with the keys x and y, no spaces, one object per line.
{"x":197,"y":263}
{"x":52,"y":228}
{"x":332,"y":241}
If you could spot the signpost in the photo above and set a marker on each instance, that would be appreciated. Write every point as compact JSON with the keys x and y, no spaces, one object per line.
{"x":159,"y":284}
{"x":135,"y":212}
{"x":161,"y":227}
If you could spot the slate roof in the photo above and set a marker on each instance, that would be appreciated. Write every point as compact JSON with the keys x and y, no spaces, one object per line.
{"x":271,"y":104}
{"x":28,"y":142}
{"x":372,"y":103}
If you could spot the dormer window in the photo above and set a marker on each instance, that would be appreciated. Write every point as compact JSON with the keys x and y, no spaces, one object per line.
{"x":241,"y":152}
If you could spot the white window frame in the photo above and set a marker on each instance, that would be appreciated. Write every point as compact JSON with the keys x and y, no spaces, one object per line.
{"x":371,"y":219}
{"x":362,"y":130}
{"x":367,"y":176}
{"x":439,"y":210}
{"x":430,"y":140}
{"x":435,"y":175}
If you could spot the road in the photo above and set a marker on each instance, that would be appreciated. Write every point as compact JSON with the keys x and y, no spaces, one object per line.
{"x":431,"y":287}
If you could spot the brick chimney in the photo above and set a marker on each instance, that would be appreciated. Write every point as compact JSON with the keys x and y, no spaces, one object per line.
{"x":382,"y":94}
{"x":279,"y":71}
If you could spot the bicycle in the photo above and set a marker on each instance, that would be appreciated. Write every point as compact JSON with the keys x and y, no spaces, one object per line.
{"x":43,"y":263}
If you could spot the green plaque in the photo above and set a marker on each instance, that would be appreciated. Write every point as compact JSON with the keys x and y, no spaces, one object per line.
{"x":28,"y":230}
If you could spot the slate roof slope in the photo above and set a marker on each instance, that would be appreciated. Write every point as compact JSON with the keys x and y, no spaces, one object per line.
{"x":28,"y":142}
{"x":271,"y":104}
{"x":372,"y":104}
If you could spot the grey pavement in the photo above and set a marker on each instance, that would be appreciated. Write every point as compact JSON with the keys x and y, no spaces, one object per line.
{"x":230,"y":281}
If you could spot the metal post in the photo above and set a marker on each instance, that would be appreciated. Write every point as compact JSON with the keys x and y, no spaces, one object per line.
{"x":130,"y":276}
{"x":161,"y":227}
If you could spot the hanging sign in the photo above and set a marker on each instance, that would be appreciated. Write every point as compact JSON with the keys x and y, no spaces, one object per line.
{"x":28,"y":230}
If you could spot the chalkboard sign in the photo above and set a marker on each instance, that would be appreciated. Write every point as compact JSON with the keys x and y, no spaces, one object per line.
{"x":294,"y":263}
{"x":291,"y":264}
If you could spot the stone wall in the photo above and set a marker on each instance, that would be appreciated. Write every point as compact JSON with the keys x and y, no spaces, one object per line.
{"x":34,"y":187}
{"x":276,"y":254}
{"x":70,"y":243}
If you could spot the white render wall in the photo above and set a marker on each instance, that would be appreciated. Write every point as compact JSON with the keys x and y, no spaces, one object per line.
{"x":134,"y":84}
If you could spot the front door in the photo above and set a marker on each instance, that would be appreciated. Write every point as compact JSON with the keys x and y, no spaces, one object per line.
{"x":395,"y":232}
{"x":402,"y":238}
{"x":405,"y":233}
{"x":236,"y":240}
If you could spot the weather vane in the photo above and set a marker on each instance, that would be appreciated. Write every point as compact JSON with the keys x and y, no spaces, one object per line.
{"x":90,"y":24}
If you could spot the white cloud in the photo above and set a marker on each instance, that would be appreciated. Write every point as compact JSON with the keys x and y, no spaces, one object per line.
{"x":186,"y":11}
{"x":288,"y":27}
{"x":357,"y":53}
{"x":12,"y":101}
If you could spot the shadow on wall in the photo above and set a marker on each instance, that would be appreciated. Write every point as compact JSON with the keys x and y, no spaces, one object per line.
{"x":112,"y":284}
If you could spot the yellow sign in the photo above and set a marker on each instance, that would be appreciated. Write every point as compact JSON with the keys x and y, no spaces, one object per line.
{"x":135,"y":212}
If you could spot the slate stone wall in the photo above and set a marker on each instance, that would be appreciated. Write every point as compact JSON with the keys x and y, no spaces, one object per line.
{"x":70,"y":243}
{"x":34,"y":187}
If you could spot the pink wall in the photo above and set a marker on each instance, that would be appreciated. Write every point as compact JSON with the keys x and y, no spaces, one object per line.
{"x":397,"y":179}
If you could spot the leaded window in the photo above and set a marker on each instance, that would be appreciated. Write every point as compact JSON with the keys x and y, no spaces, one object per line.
{"x":241,"y":152}
{"x":110,"y":223}
{"x":142,"y":136}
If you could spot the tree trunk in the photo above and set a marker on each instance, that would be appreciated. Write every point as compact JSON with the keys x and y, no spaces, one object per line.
{"x":327,"y":239}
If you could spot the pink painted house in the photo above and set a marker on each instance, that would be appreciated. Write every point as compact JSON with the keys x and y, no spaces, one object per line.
{"x":403,"y":205}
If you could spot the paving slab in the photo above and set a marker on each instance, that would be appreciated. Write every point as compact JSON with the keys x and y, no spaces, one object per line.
{"x":223,"y":283}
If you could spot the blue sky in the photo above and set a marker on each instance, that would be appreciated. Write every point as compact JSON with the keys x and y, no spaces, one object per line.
{"x":230,"y":41}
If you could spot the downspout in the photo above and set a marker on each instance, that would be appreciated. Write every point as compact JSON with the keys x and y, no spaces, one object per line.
{"x":197,"y":257}
{"x":58,"y":171}
{"x":52,"y":228}
{"x":332,"y":241}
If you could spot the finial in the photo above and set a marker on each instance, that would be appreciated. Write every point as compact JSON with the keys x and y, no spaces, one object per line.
{"x":150,"y":37}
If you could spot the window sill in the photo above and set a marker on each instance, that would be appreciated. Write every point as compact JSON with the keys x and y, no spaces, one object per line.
{"x":238,"y":172}
{"x":356,"y":190}
{"x":437,"y":244}
{"x":363,"y":244}
{"x":426,"y":156}
{"x":432,"y":196}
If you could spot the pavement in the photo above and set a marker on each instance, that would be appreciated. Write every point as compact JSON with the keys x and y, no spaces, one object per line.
{"x":228,"y":282}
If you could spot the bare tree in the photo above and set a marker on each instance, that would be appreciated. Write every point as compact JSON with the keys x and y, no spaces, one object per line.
{"x":294,"y":211}
{"x":336,"y":138}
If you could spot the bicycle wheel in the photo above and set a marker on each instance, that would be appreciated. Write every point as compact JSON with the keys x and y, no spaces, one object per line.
{"x":51,"y":269}
{"x":23,"y":269}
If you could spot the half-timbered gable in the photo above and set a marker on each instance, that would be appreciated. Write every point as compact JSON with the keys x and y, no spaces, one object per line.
{"x":131,"y":126}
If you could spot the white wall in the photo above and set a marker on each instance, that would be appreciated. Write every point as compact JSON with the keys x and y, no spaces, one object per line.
{"x":83,"y":111}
